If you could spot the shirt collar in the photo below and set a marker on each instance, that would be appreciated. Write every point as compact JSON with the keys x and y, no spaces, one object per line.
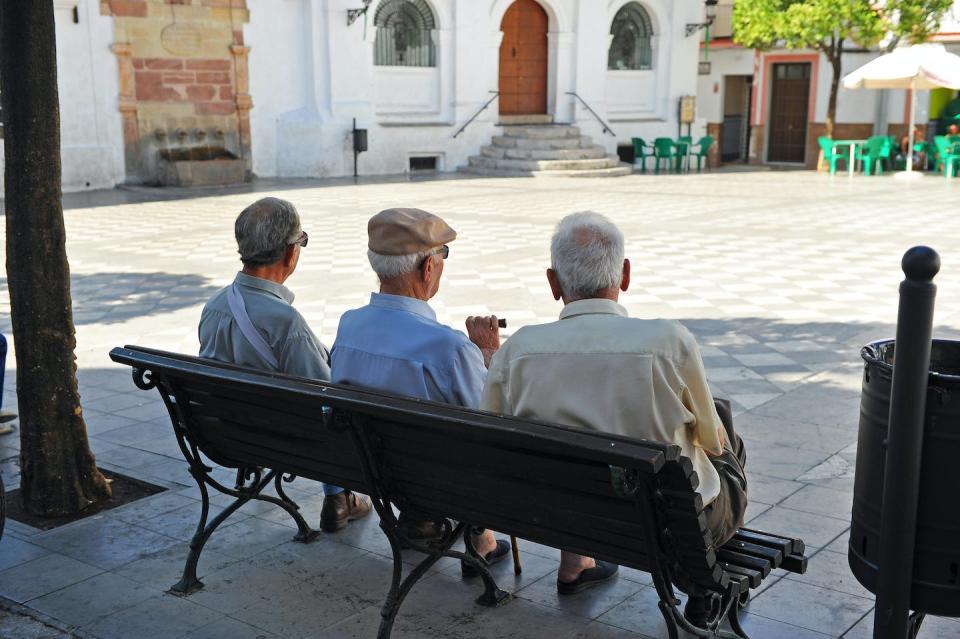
{"x":592,"y":307}
{"x":403,"y":303}
{"x":277,"y":290}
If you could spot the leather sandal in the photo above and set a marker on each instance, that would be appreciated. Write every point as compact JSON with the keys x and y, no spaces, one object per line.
{"x":589,"y":578}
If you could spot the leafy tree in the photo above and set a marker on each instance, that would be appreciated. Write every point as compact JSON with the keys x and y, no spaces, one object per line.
{"x":59,"y":476}
{"x":829,"y":25}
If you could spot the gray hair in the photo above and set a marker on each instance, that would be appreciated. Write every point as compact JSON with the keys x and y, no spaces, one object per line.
{"x":388,"y":267}
{"x":586,"y":252}
{"x":265,"y":229}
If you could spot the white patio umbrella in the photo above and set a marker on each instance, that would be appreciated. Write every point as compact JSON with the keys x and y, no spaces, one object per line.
{"x":917,"y":67}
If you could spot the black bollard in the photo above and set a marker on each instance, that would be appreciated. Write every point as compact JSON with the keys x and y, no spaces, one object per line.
{"x":905,"y":442}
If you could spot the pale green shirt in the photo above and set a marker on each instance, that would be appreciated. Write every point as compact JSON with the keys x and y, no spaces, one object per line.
{"x":600,"y":370}
{"x":270,"y":307}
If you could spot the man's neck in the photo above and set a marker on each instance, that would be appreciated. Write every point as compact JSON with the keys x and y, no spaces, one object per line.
{"x":273,"y":273}
{"x":403,"y":288}
{"x":612,"y":294}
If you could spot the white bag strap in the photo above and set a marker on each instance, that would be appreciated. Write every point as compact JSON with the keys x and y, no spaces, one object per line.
{"x":239,"y":310}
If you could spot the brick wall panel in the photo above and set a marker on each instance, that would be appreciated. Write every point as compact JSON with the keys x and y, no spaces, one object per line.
{"x":179,"y":78}
{"x":213,"y":77}
{"x":167,"y":64}
{"x":215,"y":108}
{"x":208,"y":65}
{"x":201,"y":92}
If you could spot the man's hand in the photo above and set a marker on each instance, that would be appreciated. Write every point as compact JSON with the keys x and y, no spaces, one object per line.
{"x":485,"y":333}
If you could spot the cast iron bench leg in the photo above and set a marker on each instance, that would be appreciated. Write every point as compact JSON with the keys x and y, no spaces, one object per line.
{"x":244,"y":492}
{"x":400,"y":588}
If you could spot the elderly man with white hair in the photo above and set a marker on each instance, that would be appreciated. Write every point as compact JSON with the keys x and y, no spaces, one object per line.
{"x":598,"y":369}
{"x":396,"y":344}
{"x":253,"y":322}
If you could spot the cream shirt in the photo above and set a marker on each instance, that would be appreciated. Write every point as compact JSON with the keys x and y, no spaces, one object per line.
{"x":601,"y":370}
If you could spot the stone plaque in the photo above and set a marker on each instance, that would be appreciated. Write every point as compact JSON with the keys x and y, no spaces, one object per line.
{"x":181,"y":39}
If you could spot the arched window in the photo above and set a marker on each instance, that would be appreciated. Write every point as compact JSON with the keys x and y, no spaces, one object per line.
{"x":404,"y":34}
{"x":631,"y":48}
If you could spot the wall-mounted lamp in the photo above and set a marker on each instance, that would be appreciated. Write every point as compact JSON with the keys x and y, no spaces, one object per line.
{"x":353,"y":14}
{"x":711,"y":10}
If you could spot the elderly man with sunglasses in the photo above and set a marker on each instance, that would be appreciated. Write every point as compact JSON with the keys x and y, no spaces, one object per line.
{"x":396,"y":344}
{"x":253,"y":323}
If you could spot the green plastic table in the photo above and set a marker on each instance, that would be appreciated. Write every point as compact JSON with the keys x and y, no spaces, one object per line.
{"x":853,"y":144}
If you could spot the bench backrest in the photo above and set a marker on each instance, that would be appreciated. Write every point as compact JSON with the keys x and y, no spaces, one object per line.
{"x":558,"y":486}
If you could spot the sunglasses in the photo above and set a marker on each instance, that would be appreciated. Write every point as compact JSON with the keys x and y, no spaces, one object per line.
{"x":443,"y":251}
{"x":302,"y":240}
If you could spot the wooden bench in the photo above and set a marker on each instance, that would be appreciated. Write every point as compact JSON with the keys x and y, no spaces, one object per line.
{"x":626,"y":501}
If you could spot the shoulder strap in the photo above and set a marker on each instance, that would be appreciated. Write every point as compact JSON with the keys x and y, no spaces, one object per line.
{"x":239,"y":310}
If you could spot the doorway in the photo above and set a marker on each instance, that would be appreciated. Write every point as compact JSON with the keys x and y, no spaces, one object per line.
{"x":735,"y":129}
{"x":789,"y":103}
{"x":523,"y":59}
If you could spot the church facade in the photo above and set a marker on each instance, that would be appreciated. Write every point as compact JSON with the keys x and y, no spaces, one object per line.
{"x":278,"y":85}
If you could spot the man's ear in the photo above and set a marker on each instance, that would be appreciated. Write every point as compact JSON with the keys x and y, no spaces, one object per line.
{"x":625,"y":283}
{"x":289,"y":255}
{"x":554,"y":284}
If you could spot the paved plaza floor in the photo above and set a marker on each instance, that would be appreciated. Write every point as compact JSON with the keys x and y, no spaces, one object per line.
{"x":782,"y":276}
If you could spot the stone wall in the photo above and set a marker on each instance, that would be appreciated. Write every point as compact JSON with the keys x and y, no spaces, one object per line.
{"x":183,"y":79}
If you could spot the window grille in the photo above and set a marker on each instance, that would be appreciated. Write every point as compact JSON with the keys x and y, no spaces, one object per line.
{"x":632,"y":47}
{"x":404,"y":34}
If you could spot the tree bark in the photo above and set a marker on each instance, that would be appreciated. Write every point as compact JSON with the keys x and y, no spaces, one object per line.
{"x":834,"y":56}
{"x":58,"y":472}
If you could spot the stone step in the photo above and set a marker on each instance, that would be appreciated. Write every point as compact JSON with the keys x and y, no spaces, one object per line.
{"x":543,"y":165}
{"x":542,"y":131}
{"x":591,"y":153}
{"x":616,"y":171}
{"x":512,"y":120}
{"x":512,"y":142}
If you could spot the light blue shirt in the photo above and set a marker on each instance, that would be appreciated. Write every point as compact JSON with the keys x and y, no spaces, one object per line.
{"x":396,"y":344}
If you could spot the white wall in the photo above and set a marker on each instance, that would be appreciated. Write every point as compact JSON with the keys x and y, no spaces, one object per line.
{"x":91,"y":136}
{"x":311,"y":75}
{"x":710,"y":88}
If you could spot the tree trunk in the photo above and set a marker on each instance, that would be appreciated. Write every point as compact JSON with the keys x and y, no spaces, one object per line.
{"x":834,"y":58}
{"x":59,"y":475}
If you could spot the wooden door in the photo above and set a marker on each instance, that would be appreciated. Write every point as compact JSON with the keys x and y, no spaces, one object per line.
{"x":523,"y":59}
{"x":789,"y":101}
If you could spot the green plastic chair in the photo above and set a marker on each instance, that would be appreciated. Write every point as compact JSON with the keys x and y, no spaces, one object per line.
{"x":832,"y":153}
{"x":683,"y":145}
{"x":703,"y":150}
{"x":641,"y":151}
{"x":873,"y":153}
{"x":663,"y":149}
{"x":948,"y":155}
{"x":941,"y":147}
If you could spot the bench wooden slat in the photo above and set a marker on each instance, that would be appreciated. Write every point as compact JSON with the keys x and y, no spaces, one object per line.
{"x":754,"y":576}
{"x":747,"y":561}
{"x":790,"y":545}
{"x":795,"y":563}
{"x":773,"y":555}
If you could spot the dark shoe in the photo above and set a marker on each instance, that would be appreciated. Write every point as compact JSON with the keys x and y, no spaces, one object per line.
{"x":7,"y":416}
{"x":696,"y":611}
{"x":340,"y":509}
{"x":589,"y":578}
{"x":424,"y":532}
{"x":496,"y":555}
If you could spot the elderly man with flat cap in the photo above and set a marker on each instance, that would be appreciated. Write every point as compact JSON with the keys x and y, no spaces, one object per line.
{"x":396,"y":344}
{"x":253,"y":323}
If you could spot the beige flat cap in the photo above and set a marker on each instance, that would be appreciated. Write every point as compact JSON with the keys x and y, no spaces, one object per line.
{"x":407,"y":231}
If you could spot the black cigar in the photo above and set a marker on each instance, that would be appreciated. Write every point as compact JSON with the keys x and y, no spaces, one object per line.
{"x":502,"y":323}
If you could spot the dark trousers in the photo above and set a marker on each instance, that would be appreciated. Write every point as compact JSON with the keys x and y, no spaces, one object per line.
{"x":725,"y":513}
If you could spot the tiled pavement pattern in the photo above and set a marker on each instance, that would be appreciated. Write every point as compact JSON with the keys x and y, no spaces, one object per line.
{"x":782,"y":277}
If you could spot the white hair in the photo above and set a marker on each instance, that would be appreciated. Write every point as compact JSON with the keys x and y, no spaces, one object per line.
{"x":388,"y":267}
{"x":586,"y":252}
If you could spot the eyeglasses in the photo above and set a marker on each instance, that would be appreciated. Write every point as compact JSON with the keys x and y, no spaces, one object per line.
{"x":443,"y":251}
{"x":302,"y":240}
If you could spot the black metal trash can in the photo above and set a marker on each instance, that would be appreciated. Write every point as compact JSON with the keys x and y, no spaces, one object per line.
{"x":936,"y":570}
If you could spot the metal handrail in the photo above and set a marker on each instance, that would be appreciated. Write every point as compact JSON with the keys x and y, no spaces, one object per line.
{"x":606,"y":127}
{"x":482,"y":109}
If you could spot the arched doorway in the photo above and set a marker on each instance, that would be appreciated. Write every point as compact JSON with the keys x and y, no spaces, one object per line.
{"x":523,"y":59}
